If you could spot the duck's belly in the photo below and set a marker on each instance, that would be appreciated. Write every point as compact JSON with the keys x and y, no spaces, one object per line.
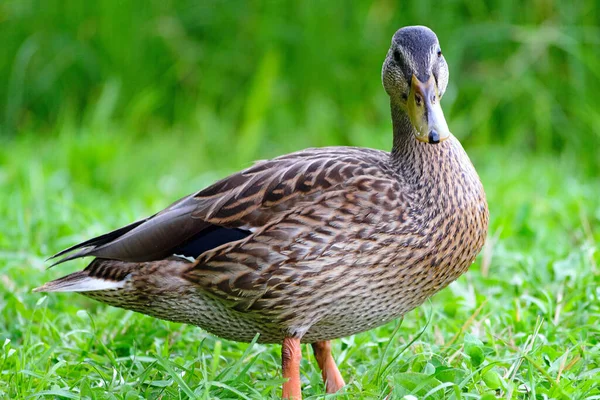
{"x":363,"y":315}
{"x":367,"y":301}
{"x":198,"y":309}
{"x":194,"y":308}
{"x":352,"y":311}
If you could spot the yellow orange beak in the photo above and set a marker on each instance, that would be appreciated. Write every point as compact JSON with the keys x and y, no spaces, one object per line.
{"x":425,"y":111}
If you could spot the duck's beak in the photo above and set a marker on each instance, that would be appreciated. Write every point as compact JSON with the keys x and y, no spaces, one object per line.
{"x":425,"y":111}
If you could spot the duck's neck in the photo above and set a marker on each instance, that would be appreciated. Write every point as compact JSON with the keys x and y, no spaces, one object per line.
{"x":404,"y":133}
{"x":419,"y":163}
{"x":411,"y":157}
{"x":441,"y":175}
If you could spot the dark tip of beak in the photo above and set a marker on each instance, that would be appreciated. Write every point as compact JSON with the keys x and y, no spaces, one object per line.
{"x":434,"y":137}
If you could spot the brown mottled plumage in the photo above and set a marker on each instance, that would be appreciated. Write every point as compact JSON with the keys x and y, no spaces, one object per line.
{"x":325,"y":243}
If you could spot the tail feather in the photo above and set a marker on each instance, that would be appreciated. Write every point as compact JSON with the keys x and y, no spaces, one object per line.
{"x":82,"y":281}
{"x":91,"y":244}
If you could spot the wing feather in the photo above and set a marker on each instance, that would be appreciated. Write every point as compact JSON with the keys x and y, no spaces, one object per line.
{"x":251,"y":199}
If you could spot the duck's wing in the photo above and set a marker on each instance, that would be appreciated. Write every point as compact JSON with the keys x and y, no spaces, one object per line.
{"x":152,"y":238}
{"x":232,"y":208}
{"x":348,"y":210}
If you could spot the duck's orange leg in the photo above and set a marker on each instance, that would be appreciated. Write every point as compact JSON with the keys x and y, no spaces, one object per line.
{"x":331,"y":374}
{"x":291,"y":355}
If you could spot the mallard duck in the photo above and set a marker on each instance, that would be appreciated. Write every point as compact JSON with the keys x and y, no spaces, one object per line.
{"x":310,"y":246}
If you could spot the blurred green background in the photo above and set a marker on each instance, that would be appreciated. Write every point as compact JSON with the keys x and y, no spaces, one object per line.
{"x":260,"y":78}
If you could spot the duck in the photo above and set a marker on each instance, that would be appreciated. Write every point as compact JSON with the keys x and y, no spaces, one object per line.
{"x":310,"y":246}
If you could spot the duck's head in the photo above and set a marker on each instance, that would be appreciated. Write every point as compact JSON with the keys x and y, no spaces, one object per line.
{"x":415,"y":76}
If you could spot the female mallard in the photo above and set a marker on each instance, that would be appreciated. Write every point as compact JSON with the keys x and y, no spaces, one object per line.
{"x":314,"y":245}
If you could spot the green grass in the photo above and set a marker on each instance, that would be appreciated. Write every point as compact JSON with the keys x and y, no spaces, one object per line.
{"x":523,"y":323}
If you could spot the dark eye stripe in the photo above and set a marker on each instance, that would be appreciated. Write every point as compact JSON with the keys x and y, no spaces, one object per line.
{"x":400,"y":61}
{"x":397,"y":56}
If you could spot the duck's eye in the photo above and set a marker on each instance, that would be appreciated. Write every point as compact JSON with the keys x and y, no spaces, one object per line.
{"x":399,"y":60}
{"x":439,"y":53}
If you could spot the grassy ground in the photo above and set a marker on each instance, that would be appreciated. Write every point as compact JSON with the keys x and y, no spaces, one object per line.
{"x":523,"y":323}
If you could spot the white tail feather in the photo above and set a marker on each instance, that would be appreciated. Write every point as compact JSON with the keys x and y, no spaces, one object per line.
{"x":79,"y":282}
